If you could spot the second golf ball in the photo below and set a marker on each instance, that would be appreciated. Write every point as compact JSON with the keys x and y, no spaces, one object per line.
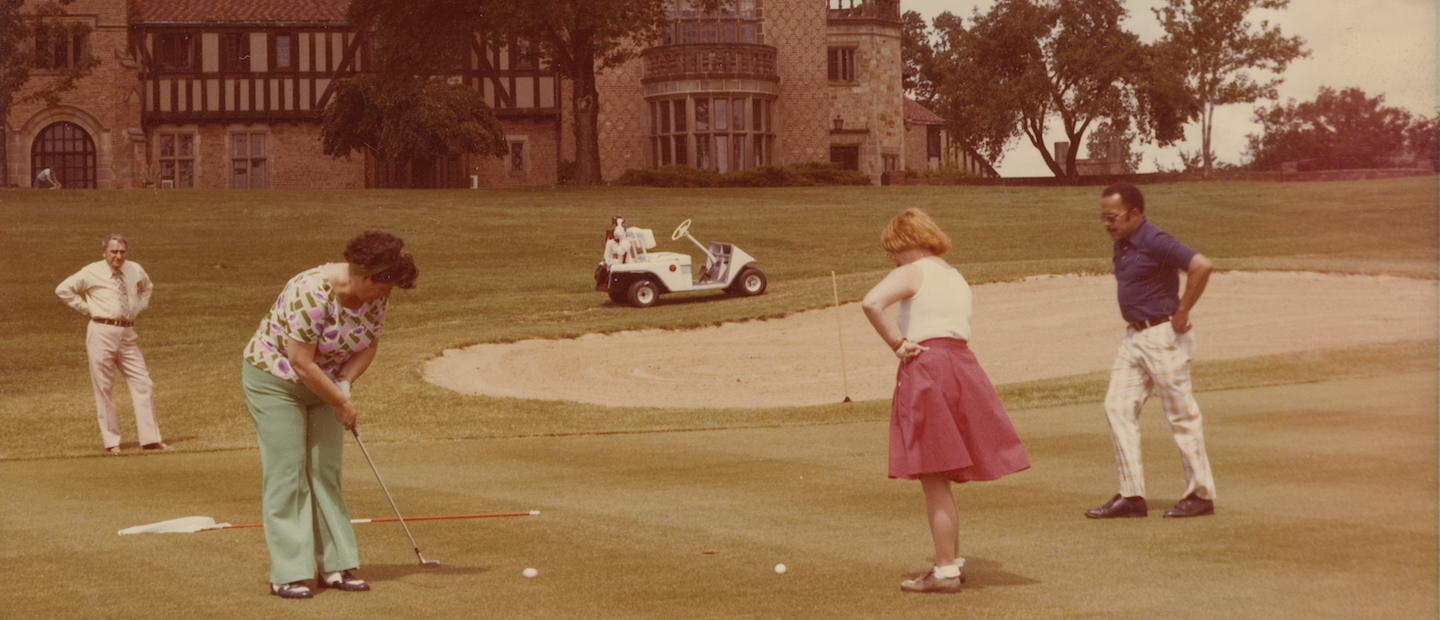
{"x":780,"y":569}
{"x":529,"y":572}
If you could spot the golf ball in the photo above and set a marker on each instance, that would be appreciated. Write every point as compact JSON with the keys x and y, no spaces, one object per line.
{"x":780,"y":569}
{"x":530,"y":572}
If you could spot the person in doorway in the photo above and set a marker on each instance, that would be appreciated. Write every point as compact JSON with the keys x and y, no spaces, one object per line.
{"x":46,"y":180}
{"x":1155,"y":353}
{"x":320,"y":335}
{"x":112,"y":291}
{"x":946,"y":421}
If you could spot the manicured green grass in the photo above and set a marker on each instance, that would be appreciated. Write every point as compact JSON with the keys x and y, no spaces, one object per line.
{"x":508,"y":265}
{"x":1326,"y":509}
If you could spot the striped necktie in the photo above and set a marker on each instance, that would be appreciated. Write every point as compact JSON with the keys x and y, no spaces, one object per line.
{"x":124,"y":294}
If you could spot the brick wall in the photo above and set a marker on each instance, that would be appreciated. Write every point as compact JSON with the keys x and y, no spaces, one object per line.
{"x":797,"y":30}
{"x":541,"y":157}
{"x":106,"y":103}
{"x":624,"y":126}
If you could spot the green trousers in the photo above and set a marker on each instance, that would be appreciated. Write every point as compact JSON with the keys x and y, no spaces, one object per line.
{"x":307,"y":525}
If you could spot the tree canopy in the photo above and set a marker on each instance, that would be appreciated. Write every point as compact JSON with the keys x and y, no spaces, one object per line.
{"x":917,"y":53}
{"x":1213,"y":46}
{"x":413,"y":119}
{"x":406,"y":107}
{"x":1344,"y":129}
{"x":1027,"y":62}
{"x":578,"y":38}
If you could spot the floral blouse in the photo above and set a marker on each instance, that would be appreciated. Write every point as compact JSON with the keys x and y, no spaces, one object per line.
{"x":308,"y":311}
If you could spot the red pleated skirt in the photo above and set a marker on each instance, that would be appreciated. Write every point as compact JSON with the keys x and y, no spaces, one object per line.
{"x":946,"y":418}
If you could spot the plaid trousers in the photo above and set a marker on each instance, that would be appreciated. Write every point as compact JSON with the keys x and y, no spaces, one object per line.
{"x":1159,"y":359}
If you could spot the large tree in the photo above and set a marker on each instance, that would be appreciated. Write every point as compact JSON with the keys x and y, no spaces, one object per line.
{"x":579,"y":38}
{"x":1213,"y":45}
{"x":39,"y":38}
{"x":917,"y":54}
{"x":1345,"y":129}
{"x":406,"y":107}
{"x":1026,"y":63}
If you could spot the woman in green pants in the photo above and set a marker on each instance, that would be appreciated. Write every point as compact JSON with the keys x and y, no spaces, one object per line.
{"x":321,"y":335}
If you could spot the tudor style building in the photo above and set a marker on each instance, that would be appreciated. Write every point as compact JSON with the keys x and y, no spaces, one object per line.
{"x":228,"y":94}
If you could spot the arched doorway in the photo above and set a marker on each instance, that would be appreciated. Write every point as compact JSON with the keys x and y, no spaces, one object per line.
{"x":68,"y":152}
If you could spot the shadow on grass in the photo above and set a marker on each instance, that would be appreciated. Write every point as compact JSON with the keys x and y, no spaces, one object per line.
{"x":982,"y":573}
{"x":392,"y":572}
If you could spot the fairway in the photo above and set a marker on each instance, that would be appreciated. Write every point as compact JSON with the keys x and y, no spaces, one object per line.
{"x":1326,"y":510}
{"x":1325,"y":454}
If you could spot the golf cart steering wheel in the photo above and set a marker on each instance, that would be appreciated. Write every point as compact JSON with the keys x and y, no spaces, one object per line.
{"x":680,"y":230}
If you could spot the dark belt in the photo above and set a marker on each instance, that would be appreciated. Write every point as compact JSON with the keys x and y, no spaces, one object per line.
{"x":115,"y":322}
{"x":1148,"y":323}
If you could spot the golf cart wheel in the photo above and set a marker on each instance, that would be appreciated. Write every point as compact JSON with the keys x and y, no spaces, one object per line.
{"x":643,"y":294}
{"x":750,"y":283}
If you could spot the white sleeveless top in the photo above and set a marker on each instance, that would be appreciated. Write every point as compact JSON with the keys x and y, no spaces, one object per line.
{"x":940,"y":309}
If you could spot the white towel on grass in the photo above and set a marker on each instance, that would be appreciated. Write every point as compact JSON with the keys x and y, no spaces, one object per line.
{"x":183,"y":525}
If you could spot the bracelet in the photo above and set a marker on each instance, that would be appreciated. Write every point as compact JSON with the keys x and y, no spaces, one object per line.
{"x":898,"y":345}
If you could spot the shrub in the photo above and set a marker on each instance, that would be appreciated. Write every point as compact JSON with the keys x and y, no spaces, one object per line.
{"x":797,"y":175}
{"x":670,"y":176}
{"x":764,"y":176}
{"x":565,"y":172}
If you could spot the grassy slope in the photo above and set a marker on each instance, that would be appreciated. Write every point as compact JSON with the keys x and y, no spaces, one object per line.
{"x":510,"y":265}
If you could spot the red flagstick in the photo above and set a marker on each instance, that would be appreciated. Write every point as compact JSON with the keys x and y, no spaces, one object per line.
{"x":532,"y":513}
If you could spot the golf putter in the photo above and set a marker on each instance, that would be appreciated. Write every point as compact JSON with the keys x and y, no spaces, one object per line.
{"x":355,"y":430}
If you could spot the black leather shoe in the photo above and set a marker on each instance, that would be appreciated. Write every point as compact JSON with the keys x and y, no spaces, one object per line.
{"x":341,"y":580}
{"x":1191,"y":506}
{"x":295,"y":589}
{"x":1120,"y":507}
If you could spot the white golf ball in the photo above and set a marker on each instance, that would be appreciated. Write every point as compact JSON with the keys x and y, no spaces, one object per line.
{"x":780,"y":569}
{"x":530,"y":572}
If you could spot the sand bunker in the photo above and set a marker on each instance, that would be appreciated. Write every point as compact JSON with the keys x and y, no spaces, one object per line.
{"x":1048,"y":326}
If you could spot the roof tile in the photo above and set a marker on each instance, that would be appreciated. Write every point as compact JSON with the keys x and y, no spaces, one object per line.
{"x":237,"y":11}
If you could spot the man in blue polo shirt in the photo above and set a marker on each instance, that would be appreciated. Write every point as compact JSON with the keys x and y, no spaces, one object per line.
{"x":1154,"y":353}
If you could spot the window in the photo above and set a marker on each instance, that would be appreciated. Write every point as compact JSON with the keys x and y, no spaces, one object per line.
{"x":68,"y":152}
{"x":235,"y":52}
{"x":932,"y":141}
{"x":847,"y":156}
{"x":177,"y":159}
{"x":59,"y":46}
{"x":842,"y":64}
{"x":247,"y":161}
{"x":738,"y":21}
{"x":711,"y":133}
{"x":176,"y":51}
{"x":524,"y":56}
{"x":283,"y":56}
{"x":517,"y":157}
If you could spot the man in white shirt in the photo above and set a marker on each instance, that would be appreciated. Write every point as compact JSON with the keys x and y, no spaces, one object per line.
{"x":46,"y":180}
{"x":112,"y":291}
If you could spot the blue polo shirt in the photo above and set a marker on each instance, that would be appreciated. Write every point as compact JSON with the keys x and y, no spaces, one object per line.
{"x":1147,"y":273}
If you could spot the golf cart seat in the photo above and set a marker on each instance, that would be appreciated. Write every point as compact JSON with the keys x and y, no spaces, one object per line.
{"x":641,"y":239}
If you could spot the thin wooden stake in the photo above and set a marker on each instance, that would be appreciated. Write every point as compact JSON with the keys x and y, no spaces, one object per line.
{"x":844,"y":374}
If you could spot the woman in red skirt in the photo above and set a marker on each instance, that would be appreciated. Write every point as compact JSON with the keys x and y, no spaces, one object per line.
{"x":946,"y":422}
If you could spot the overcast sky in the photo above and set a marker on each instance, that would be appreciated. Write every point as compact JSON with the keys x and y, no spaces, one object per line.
{"x":1379,"y":46}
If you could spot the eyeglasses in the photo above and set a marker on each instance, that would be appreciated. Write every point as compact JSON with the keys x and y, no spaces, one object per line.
{"x":1111,"y":218}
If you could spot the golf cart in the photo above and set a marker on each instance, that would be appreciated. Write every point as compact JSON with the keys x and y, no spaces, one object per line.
{"x":643,"y":275}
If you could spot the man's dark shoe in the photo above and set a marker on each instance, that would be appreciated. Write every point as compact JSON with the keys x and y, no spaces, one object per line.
{"x":1120,"y":507}
{"x":1191,"y":506}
